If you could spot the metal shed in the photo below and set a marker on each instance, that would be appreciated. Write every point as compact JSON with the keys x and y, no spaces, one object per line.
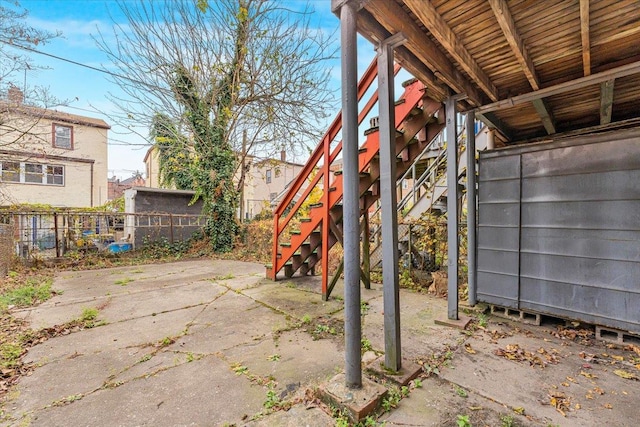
{"x":559,"y":228}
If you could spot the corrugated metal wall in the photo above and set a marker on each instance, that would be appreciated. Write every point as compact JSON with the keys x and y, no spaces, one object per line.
{"x":559,"y":229}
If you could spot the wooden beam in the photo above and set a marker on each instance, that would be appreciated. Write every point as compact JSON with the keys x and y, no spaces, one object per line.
{"x":614,"y":73}
{"x":508,"y":25}
{"x":584,"y":32}
{"x":606,"y":101}
{"x":370,"y":29}
{"x":545,"y":115}
{"x":394,"y":19}
{"x":494,"y":122}
{"x":427,"y":13}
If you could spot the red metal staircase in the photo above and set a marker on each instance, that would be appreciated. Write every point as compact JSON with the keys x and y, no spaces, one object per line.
{"x":309,"y":244}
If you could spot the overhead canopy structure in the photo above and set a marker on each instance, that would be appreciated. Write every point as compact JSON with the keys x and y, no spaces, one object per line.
{"x":531,"y":70}
{"x":534,"y":68}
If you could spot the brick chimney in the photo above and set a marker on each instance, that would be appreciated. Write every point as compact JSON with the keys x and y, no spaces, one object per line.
{"x":15,"y":95}
{"x":283,"y":156}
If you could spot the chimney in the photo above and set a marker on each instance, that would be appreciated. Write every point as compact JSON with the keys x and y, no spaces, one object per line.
{"x":15,"y":95}
{"x":283,"y":156}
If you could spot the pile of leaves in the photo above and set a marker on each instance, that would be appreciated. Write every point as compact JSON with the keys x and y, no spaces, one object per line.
{"x":579,"y":335}
{"x":540,"y":357}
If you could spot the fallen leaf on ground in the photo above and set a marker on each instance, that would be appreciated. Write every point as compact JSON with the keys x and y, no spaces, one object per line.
{"x":624,"y":374}
{"x":618,"y":358}
{"x":519,"y":410}
{"x":468,"y":349}
{"x":635,"y":348}
{"x":608,"y":406}
{"x":560,"y":401}
{"x":588,"y":375}
{"x":599,"y":390}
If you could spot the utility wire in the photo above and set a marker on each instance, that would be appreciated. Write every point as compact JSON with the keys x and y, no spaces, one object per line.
{"x":100,"y":70}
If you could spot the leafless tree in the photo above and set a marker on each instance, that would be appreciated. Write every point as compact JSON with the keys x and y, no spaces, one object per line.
{"x":280,"y":94}
{"x":21,"y":106}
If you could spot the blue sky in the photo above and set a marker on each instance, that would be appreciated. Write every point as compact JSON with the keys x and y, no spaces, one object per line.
{"x":87,"y":89}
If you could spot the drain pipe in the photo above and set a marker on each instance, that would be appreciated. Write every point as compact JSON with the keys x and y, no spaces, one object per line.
{"x":351,"y":196}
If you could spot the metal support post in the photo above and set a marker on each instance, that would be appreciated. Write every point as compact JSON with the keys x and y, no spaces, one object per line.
{"x":452,"y":208}
{"x":388,"y":198}
{"x":471,"y":206}
{"x":351,"y":196}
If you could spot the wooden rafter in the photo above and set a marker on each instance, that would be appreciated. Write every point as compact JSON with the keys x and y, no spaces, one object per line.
{"x":508,"y":25}
{"x":391,"y":16}
{"x":584,"y":31}
{"x":375,"y":33}
{"x":614,"y":73}
{"x":505,"y":20}
{"x":606,"y":101}
{"x":493,"y":122}
{"x":427,"y":13}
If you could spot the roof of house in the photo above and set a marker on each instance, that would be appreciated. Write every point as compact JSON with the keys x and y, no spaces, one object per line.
{"x":529,"y":68}
{"x":54,"y":115}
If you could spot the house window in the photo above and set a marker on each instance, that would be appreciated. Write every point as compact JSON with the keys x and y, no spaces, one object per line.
{"x":32,"y":173}
{"x":62,"y":136}
{"x":10,"y":171}
{"x":55,"y":175}
{"x":268,"y":176}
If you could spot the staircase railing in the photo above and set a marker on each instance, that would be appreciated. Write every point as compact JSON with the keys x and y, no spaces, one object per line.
{"x":320,"y":160}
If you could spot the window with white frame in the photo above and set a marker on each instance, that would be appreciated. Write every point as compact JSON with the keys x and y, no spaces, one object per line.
{"x":62,"y":136}
{"x":268,"y":176}
{"x":32,"y":173}
{"x":55,"y":175}
{"x":10,"y":171}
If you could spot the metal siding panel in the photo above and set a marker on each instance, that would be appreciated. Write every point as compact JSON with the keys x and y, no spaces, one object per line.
{"x":606,"y":274}
{"x":502,"y":191}
{"x":606,"y":307}
{"x":612,"y":215}
{"x":499,"y":261}
{"x":498,"y":289}
{"x":580,"y":237}
{"x":614,"y":185}
{"x":498,"y":238}
{"x":498,"y":230}
{"x":496,"y":168}
{"x":598,"y":157}
{"x":596,"y":244}
{"x":499,"y":214}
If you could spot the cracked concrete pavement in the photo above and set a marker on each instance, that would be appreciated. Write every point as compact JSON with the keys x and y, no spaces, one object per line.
{"x":196,"y":343}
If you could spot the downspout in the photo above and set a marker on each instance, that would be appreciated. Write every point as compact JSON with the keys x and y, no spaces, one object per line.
{"x":91,"y":201}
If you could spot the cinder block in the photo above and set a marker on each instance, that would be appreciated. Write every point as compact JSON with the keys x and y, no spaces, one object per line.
{"x":616,"y":336}
{"x":517,"y":315}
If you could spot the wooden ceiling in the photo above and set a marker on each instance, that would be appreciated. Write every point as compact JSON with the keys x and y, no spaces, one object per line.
{"x":530,"y":68}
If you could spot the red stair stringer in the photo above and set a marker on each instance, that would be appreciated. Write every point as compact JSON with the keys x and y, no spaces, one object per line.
{"x":411,"y":98}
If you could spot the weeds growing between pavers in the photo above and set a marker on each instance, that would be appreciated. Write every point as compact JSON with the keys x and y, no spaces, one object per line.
{"x":22,"y":289}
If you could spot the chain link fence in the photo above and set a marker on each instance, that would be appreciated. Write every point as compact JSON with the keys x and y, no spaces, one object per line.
{"x":37,"y":234}
{"x":422,"y":245}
